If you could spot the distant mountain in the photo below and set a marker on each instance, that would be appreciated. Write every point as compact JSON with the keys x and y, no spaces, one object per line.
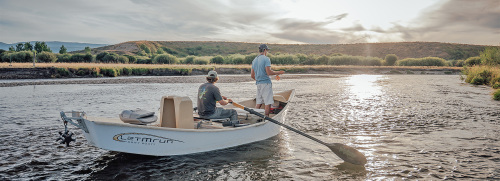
{"x":55,"y":46}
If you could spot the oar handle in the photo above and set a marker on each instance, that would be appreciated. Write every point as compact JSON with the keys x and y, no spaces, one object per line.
{"x":277,"y":122}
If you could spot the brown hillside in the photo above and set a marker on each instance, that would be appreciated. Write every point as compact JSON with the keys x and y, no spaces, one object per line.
{"x":209,"y":48}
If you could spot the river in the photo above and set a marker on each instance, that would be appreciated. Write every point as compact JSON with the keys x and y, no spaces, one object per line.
{"x":427,"y":127}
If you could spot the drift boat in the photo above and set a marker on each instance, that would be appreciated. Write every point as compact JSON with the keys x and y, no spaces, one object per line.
{"x":178,"y":130}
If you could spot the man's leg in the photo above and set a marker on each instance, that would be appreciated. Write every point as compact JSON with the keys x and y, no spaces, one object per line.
{"x":221,"y":113}
{"x":267,"y":109}
{"x":267,"y":94}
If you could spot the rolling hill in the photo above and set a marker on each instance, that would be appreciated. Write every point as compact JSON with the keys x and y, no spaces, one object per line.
{"x":209,"y":48}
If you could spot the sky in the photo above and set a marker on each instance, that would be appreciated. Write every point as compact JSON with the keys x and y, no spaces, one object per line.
{"x":255,"y":21}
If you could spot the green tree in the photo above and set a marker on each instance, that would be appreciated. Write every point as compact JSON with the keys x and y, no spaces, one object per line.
{"x":390,"y":59}
{"x":41,"y":47}
{"x":28,"y":46}
{"x":19,"y":47}
{"x":63,"y":50}
{"x":87,"y":49}
{"x":12,"y":49}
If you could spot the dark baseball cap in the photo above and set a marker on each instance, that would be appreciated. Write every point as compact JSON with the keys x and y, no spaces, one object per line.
{"x":263,"y":46}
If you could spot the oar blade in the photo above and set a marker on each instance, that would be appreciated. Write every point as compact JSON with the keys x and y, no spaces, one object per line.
{"x":347,"y":153}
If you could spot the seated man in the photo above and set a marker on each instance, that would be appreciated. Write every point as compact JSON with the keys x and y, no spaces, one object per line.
{"x":208,"y":96}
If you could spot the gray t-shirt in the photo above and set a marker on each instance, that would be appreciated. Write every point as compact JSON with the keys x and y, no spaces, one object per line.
{"x":208,"y":95}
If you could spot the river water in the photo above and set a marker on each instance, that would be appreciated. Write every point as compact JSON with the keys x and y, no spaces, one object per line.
{"x":426,"y":127}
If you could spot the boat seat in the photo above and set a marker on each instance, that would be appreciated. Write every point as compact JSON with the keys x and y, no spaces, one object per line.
{"x":138,"y":116}
{"x":279,"y":98}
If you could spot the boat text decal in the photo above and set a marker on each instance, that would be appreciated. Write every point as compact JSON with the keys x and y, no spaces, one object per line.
{"x":142,"y":138}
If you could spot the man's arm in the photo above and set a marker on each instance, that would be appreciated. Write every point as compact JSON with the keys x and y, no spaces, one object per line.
{"x":252,"y":74}
{"x":224,"y":101}
{"x":271,"y":72}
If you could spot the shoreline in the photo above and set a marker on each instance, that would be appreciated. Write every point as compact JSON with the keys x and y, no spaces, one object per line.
{"x":49,"y":74}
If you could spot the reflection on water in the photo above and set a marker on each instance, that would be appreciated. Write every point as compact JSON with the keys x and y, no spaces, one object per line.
{"x":427,"y":127}
{"x":364,"y":88}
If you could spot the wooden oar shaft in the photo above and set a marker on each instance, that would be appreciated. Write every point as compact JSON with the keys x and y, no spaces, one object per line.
{"x":278,"y":123}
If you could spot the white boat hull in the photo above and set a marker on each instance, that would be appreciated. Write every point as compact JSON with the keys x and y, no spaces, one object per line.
{"x":162,"y":141}
{"x":173,"y":141}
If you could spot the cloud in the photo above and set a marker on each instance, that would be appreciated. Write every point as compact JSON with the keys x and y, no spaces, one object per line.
{"x":456,"y":21}
{"x":115,"y":21}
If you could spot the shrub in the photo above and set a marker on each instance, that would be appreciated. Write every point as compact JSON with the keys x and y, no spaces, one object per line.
{"x":202,"y":60}
{"x":496,"y":85}
{"x":46,"y":57}
{"x":426,"y":61}
{"x":145,"y":48}
{"x":110,"y":58}
{"x":490,"y":56}
{"x":471,"y":61}
{"x":301,"y":57}
{"x":236,"y":59}
{"x":140,"y":71}
{"x":127,"y":71}
{"x":110,"y":72}
{"x":83,"y":71}
{"x":249,"y":58}
{"x":22,"y":56}
{"x":284,"y":59}
{"x":6,"y":57}
{"x":217,"y":60}
{"x":323,"y":60}
{"x":62,"y":72}
{"x":144,"y":61}
{"x":189,"y":59}
{"x":81,"y":58}
{"x":496,"y":95}
{"x":390,"y":59}
{"x":99,"y":57}
{"x":122,"y":59}
{"x":64,"y":57}
{"x":165,"y":59}
{"x":479,"y":75}
{"x":131,"y":59}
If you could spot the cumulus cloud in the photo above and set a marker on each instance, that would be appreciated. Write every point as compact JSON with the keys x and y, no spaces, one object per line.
{"x":455,"y":21}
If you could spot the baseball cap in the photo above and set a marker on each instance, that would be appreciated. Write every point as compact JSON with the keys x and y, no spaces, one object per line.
{"x":212,"y":74}
{"x":263,"y":46}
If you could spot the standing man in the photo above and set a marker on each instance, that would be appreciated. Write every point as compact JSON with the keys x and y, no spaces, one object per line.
{"x":208,"y":96}
{"x":261,"y":70}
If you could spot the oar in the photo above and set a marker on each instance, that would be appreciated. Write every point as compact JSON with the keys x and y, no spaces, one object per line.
{"x":346,"y":153}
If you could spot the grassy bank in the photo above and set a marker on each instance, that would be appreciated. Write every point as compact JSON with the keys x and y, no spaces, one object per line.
{"x":484,"y":75}
{"x":486,"y":70}
{"x":75,"y":70}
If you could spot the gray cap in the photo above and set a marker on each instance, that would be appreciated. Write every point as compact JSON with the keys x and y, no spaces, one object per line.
{"x":263,"y":46}
{"x":212,"y":74}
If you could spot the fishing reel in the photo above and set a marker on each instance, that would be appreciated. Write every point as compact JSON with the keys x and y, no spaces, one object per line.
{"x":66,"y":137}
